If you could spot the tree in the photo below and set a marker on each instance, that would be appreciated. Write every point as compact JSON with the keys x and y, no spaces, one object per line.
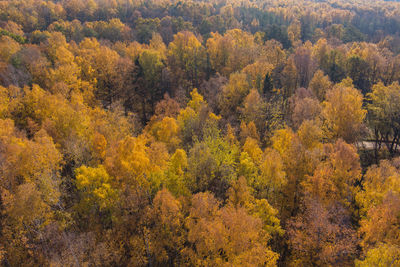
{"x":34,"y":161}
{"x":96,"y":186}
{"x":381,"y":221}
{"x":232,"y":51}
{"x":226,"y":236}
{"x":383,"y":115}
{"x":174,"y":179}
{"x":294,"y":32}
{"x":334,"y":179}
{"x":248,"y":130}
{"x":379,"y":203}
{"x":233,"y":95}
{"x":358,"y":71}
{"x":186,"y":58}
{"x":24,"y":217}
{"x":65,"y":76}
{"x":289,"y":79}
{"x":4,"y":102}
{"x":130,"y":163}
{"x":310,"y":135}
{"x":145,"y":28}
{"x":8,"y":48}
{"x":279,"y":34}
{"x":320,"y":84}
{"x":298,"y":163}
{"x":36,"y":63}
{"x":383,"y":255}
{"x":150,"y":61}
{"x":166,"y":131}
{"x":196,"y":119}
{"x":148,"y":80}
{"x":322,"y":235}
{"x":268,"y":85}
{"x":241,"y":195}
{"x":211,"y":90}
{"x":167,"y":107}
{"x":91,"y":58}
{"x":343,"y":113}
{"x":304,"y":107}
{"x":252,"y":149}
{"x":211,"y":165}
{"x":272,"y":177}
{"x":305,"y":64}
{"x":166,"y":231}
{"x":65,"y":121}
{"x":254,"y":110}
{"x":273,"y":52}
{"x":256,"y":73}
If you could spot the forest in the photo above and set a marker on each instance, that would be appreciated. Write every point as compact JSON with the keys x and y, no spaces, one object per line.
{"x":199,"y":133}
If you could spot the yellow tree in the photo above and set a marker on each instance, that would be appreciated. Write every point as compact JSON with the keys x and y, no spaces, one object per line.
{"x":96,"y":186}
{"x":167,"y":232}
{"x":343,"y":113}
{"x":186,"y":58}
{"x":383,"y":255}
{"x":248,"y":130}
{"x":232,"y":51}
{"x":298,"y":163}
{"x":67,"y":122}
{"x":233,"y":95}
{"x":65,"y":76}
{"x":334,"y":179}
{"x":195,"y":119}
{"x":379,"y":203}
{"x":4,"y":101}
{"x":252,"y":149}
{"x":225,"y":236}
{"x":166,"y":131}
{"x":30,"y":192}
{"x":25,"y":216}
{"x":272,"y":176}
{"x":320,"y":84}
{"x":8,"y":47}
{"x":174,"y":177}
{"x":254,"y":110}
{"x":34,"y":161}
{"x":137,"y":163}
{"x":256,"y":72}
{"x":90,"y":58}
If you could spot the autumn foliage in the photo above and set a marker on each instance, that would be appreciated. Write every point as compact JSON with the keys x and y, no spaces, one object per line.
{"x":199,"y":133}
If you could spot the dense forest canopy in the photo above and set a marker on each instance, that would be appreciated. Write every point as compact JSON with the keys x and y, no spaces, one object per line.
{"x":199,"y":133}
